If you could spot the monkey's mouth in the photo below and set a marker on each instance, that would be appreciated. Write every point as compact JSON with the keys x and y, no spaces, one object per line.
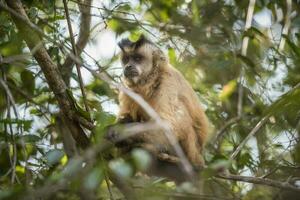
{"x":131,"y":73}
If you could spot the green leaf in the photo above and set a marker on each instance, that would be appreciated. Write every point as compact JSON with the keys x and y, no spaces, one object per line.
{"x":30,"y":138}
{"x":172,"y":55}
{"x":79,"y":110}
{"x":292,"y":45}
{"x":32,"y":12}
{"x":228,"y":90}
{"x":288,"y":101}
{"x":113,"y":24}
{"x":247,"y":61}
{"x":25,"y":123}
{"x":28,"y":81}
{"x":93,"y":179}
{"x":141,"y":158}
{"x":53,"y":156}
{"x":104,"y":119}
{"x":252,"y":31}
{"x":121,"y":168}
{"x":135,"y":35}
{"x":73,"y":166}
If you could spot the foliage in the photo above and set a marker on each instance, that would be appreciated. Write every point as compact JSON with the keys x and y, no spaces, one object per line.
{"x":203,"y":40}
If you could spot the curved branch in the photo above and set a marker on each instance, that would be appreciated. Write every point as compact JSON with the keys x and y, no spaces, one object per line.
{"x":83,"y":37}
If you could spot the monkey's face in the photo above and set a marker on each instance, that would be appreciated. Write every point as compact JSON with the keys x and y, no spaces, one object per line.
{"x":136,"y":59}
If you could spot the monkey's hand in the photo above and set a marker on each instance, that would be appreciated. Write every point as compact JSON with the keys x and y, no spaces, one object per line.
{"x":113,"y":131}
{"x":112,"y":134}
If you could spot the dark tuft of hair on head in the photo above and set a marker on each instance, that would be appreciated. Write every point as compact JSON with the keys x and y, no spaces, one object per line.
{"x":127,"y":43}
{"x":142,"y":40}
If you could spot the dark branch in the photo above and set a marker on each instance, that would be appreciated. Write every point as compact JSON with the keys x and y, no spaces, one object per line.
{"x":84,"y":32}
{"x":252,"y":133}
{"x":260,"y":181}
{"x":76,"y":54}
{"x":222,"y":130}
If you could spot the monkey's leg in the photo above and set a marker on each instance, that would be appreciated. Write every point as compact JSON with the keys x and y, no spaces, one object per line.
{"x":153,"y":141}
{"x":114,"y":134}
{"x":192,"y":148}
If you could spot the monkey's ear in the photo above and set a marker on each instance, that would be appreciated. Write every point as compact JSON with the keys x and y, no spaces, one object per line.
{"x":159,"y":58}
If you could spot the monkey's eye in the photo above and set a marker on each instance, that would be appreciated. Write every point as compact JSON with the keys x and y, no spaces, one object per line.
{"x":125,"y":59}
{"x":137,"y":58}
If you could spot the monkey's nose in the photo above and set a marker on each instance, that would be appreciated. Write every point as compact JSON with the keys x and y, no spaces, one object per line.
{"x":129,"y":68}
{"x":130,"y":71}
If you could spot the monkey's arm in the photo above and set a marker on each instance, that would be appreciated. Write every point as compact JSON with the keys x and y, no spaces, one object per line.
{"x":128,"y":109}
{"x":124,"y":117}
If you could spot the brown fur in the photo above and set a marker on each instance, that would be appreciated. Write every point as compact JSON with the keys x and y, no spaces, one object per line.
{"x":172,"y":97}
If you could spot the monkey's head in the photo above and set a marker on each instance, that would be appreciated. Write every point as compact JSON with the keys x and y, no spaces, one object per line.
{"x":140,"y":59}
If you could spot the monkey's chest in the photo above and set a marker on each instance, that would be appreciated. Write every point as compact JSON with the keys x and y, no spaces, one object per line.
{"x":138,"y":114}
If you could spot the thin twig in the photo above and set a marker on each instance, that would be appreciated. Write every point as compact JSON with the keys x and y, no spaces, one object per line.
{"x":76,"y":54}
{"x":14,"y":149}
{"x":271,"y":171}
{"x":245,"y":43}
{"x":247,"y":26}
{"x":43,"y":109}
{"x":10,"y":96}
{"x":181,"y":195}
{"x":222,"y":130}
{"x":83,"y":37}
{"x":252,"y":133}
{"x":240,"y":94}
{"x":9,"y":100}
{"x":109,"y":187}
{"x":260,"y":181}
{"x":287,"y":24}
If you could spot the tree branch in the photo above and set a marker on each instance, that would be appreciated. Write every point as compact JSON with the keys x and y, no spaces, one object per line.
{"x":245,"y":43}
{"x":287,"y":23}
{"x":49,"y":69}
{"x":252,"y":133}
{"x":76,"y":54}
{"x":260,"y":181}
{"x":84,"y":33}
{"x":222,"y":130}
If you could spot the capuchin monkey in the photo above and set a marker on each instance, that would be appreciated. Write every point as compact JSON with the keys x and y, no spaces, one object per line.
{"x":147,"y":71}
